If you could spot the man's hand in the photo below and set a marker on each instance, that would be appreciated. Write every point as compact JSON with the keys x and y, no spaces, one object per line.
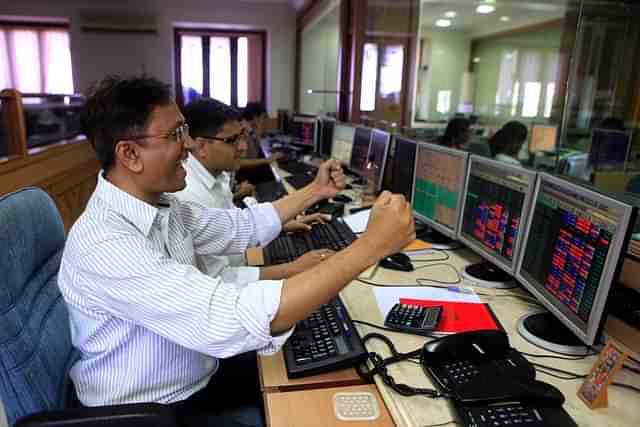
{"x":311,"y":259}
{"x":245,"y":189}
{"x":391,"y":226}
{"x":303,"y":222}
{"x":330,"y":180}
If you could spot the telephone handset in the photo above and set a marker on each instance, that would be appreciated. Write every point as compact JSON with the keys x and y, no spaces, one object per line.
{"x":489,"y":381}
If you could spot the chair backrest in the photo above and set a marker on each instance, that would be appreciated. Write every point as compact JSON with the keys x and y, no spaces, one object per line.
{"x":35,"y":343}
{"x":479,"y":148}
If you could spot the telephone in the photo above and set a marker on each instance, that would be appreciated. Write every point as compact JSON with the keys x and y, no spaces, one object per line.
{"x":490,"y":382}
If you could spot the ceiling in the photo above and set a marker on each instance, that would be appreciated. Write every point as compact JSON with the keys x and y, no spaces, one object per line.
{"x":520,"y":13}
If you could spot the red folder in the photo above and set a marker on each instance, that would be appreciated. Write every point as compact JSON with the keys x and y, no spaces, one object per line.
{"x":459,"y":316}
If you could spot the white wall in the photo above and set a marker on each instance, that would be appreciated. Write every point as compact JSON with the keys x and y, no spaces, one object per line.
{"x":96,"y":54}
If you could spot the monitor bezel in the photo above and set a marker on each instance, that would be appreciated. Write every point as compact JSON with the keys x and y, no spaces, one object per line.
{"x":628,"y":133}
{"x":543,"y":125}
{"x":333,"y":139}
{"x":478,"y":247}
{"x":385,"y":155}
{"x":393,"y":165}
{"x":430,"y":222}
{"x":610,"y":269}
{"x":359,"y":172}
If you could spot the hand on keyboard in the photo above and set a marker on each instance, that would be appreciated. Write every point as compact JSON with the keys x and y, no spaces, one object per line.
{"x":304,"y":222}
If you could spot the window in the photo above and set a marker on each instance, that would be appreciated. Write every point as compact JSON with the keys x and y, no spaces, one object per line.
{"x":369,"y":77}
{"x":227,"y":66}
{"x":35,"y":59}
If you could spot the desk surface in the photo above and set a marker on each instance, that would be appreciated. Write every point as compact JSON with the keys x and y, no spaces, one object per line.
{"x":420,"y":411}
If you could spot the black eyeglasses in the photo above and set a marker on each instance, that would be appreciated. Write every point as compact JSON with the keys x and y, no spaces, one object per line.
{"x":180,"y":134}
{"x":231,"y":140}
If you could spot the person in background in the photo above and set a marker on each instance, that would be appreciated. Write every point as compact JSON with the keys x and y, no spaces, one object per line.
{"x":507,"y":142}
{"x":457,"y":134}
{"x":149,"y":325}
{"x":218,"y":140}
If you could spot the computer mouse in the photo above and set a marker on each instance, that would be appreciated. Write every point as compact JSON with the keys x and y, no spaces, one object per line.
{"x":342,"y":198}
{"x":397,"y":261}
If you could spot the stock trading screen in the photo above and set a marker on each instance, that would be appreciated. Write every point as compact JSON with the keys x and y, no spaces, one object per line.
{"x":437,"y":185}
{"x":304,"y":130}
{"x":493,"y":209}
{"x":360,"y":150}
{"x":567,"y":248}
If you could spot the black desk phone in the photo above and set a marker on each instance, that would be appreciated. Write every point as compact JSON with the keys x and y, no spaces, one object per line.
{"x":490,"y":383}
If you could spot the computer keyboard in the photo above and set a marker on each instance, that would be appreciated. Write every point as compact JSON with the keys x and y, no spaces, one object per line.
{"x":270,"y":191}
{"x":299,"y":181}
{"x":334,"y":235}
{"x":323,"y":342}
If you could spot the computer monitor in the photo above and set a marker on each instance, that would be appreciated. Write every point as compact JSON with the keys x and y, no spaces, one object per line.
{"x":404,"y":162}
{"x":326,"y":136}
{"x":378,"y":153}
{"x":283,"y":121}
{"x":304,"y":130}
{"x":360,"y":151}
{"x":575,"y":244}
{"x":496,"y":200}
{"x":609,"y":148}
{"x":543,"y":138}
{"x":437,"y":187}
{"x":342,"y":143}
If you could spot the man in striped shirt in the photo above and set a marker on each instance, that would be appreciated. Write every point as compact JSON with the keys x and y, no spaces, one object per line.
{"x":150,"y":326}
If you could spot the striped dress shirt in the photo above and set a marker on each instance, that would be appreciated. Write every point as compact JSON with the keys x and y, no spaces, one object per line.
{"x":150,"y":326}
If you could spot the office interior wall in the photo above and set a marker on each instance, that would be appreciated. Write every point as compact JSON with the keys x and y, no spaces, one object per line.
{"x":95,"y":55}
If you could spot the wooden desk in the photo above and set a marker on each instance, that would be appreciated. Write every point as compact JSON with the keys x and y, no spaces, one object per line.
{"x":314,"y":408}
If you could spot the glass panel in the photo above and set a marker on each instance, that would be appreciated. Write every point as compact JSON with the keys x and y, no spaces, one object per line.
{"x":51,"y":118}
{"x":57,"y":62}
{"x":5,"y":74}
{"x":191,"y":68}
{"x":320,"y":51}
{"x":220,"y":69}
{"x":391,"y":74}
{"x":26,"y":61}
{"x":243,"y":71}
{"x":369,"y":77}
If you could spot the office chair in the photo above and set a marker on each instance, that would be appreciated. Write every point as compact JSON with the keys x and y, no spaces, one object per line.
{"x":35,"y":341}
{"x":479,"y":148}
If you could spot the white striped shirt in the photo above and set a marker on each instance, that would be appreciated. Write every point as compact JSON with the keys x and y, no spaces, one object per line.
{"x":148,"y":323}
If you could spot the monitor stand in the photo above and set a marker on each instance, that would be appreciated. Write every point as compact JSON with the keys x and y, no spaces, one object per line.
{"x":436,"y":239}
{"x":544,"y":330}
{"x":487,"y":275}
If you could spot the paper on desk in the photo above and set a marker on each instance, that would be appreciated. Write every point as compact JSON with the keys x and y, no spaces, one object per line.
{"x":358,"y":221}
{"x":387,"y":297}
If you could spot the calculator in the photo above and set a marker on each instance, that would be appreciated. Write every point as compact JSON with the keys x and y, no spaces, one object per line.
{"x":413,"y":319}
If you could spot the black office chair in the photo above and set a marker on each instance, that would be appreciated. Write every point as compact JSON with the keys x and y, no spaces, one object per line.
{"x":35,"y":343}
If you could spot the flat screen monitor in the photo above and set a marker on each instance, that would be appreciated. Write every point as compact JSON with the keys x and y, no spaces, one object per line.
{"x":326,"y":136}
{"x":437,"y":187}
{"x":360,"y":151}
{"x":575,"y":242}
{"x":378,"y":153}
{"x":342,"y":143}
{"x":543,"y":138}
{"x":404,"y":161}
{"x":609,"y":148}
{"x":497,"y":196}
{"x":304,"y":130}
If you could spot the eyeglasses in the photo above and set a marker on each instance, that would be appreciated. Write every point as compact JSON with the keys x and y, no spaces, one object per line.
{"x":231,"y":140}
{"x":178,"y":135}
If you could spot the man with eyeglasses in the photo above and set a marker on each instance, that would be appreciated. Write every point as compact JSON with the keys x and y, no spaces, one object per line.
{"x":149,"y":324}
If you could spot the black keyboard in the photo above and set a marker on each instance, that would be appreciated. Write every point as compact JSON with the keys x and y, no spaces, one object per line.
{"x":299,"y":181}
{"x":498,"y":415}
{"x":334,"y":235}
{"x":270,"y":191}
{"x":323,"y":342}
{"x":295,"y":167}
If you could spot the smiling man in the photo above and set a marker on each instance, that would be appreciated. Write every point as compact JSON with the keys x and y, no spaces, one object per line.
{"x":150,"y":326}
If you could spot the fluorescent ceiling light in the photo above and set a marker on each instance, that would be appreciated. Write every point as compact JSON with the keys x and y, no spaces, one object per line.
{"x":505,"y":19}
{"x":450,"y":14}
{"x":485,"y":8}
{"x":443,"y":23}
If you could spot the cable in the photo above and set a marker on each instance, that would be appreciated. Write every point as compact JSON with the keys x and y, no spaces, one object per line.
{"x":384,"y":328}
{"x":545,"y":356}
{"x":562,"y":371}
{"x":632,"y":369}
{"x":628,"y":386}
{"x":384,"y":285}
{"x":446,"y":258}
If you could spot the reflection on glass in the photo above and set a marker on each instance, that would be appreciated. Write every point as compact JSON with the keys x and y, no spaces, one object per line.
{"x":243,"y":71}
{"x":391,"y":72}
{"x":27,"y":60}
{"x":220,"y":69}
{"x":191,"y":67}
{"x":548,"y":101}
{"x":531,"y":99}
{"x":57,"y":62}
{"x":369,"y":77}
{"x":444,"y":101}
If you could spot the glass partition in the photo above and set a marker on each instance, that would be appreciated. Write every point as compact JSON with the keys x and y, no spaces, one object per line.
{"x":319,"y":56}
{"x":51,"y":119}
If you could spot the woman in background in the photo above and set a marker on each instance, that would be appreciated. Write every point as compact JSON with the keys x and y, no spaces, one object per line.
{"x":507,"y":142}
{"x":457,"y":134}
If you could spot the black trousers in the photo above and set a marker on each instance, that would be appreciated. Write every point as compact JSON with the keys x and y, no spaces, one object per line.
{"x":231,"y":399}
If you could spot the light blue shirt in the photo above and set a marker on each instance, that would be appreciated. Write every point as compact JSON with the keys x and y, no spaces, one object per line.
{"x":149,"y":324}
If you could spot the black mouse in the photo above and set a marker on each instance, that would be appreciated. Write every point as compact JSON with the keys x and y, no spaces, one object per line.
{"x":397,"y":261}
{"x":342,"y":198}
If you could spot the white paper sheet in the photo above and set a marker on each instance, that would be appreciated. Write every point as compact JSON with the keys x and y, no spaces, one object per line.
{"x":358,"y":221}
{"x":388,"y":297}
